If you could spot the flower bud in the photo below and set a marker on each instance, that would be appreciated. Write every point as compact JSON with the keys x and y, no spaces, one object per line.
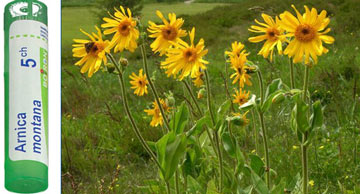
{"x":123,"y":62}
{"x":201,"y":93}
{"x":110,"y":67}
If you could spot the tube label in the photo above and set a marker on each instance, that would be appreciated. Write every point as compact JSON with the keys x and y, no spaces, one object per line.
{"x":28,"y":91}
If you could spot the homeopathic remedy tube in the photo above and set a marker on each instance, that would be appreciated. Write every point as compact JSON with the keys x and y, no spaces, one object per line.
{"x":26,"y":96}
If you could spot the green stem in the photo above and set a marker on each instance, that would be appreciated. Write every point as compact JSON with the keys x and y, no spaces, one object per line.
{"x":168,"y":190}
{"x":306,"y":81}
{"x":192,"y":96}
{"x":266,"y":149}
{"x":216,"y":136}
{"x":304,"y":153}
{"x":292,"y":81}
{"x":201,"y":113}
{"x":209,"y":98}
{"x":177,"y":182}
{"x":131,"y":119}
{"x":153,"y":89}
{"x":262,"y":122}
{"x":255,"y":132}
{"x":218,"y":144}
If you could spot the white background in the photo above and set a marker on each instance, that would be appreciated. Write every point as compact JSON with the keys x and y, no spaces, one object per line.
{"x":54,"y":25}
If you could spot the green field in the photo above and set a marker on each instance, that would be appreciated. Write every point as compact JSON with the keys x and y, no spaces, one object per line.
{"x":96,"y":135}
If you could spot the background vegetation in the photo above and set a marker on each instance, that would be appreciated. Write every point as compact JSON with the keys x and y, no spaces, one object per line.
{"x":100,"y":153}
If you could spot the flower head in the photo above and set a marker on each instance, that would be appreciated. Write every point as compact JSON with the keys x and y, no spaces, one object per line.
{"x":165,"y":33}
{"x":241,"y":119}
{"x":92,"y":52}
{"x":124,"y":27}
{"x":241,"y":75}
{"x":241,"y":97}
{"x":156,"y":113}
{"x":309,"y":32}
{"x":273,"y":35}
{"x":185,"y":58}
{"x":236,"y":50}
{"x":199,"y":76}
{"x":139,"y":83}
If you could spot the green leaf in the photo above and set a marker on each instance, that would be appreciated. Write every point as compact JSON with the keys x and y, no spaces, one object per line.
{"x":228,"y":144}
{"x":224,"y":108}
{"x":258,"y":183}
{"x":170,"y":149}
{"x":211,"y":188}
{"x":269,"y":100}
{"x":279,"y":188}
{"x":194,"y":186}
{"x":180,"y":120}
{"x":316,"y":118}
{"x":198,"y":127}
{"x":257,"y":165}
{"x":273,"y":87}
{"x":302,"y":121}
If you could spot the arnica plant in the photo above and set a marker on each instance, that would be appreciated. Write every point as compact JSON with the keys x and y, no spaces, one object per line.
{"x":198,"y":152}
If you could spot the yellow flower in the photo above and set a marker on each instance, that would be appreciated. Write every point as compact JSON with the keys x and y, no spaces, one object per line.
{"x":295,"y":147}
{"x":321,"y":147}
{"x":198,"y":81}
{"x":243,"y":120}
{"x":308,"y":31}
{"x":139,"y":83}
{"x":124,"y":27}
{"x":92,"y":52}
{"x":165,"y":33}
{"x":241,"y":97}
{"x":273,"y":35}
{"x":185,"y":58}
{"x":156,"y":114}
{"x":311,"y":183}
{"x":241,"y":70}
{"x":236,"y":48}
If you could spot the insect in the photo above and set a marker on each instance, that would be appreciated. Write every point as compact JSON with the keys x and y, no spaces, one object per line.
{"x":90,"y":46}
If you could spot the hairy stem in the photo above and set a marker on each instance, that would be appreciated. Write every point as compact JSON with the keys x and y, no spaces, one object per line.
{"x":152,"y":86}
{"x":292,"y":81}
{"x":216,"y":136}
{"x":304,"y":153}
{"x":262,"y":122}
{"x":187,"y":86}
{"x":131,"y":119}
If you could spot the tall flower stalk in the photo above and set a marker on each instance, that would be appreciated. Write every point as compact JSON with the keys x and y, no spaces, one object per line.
{"x":304,"y":146}
{"x":264,"y":132}
{"x":216,"y":136}
{"x":131,"y":118}
{"x":152,"y":86}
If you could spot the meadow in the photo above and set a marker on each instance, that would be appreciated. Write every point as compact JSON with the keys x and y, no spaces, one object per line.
{"x":100,"y":153}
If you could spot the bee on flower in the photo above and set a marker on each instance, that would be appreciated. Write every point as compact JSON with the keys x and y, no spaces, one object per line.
{"x":139,"y":83}
{"x":157,"y":119}
{"x":92,"y":52}
{"x":164,"y":34}
{"x":124,"y":27}
{"x":185,"y":59}
{"x":308,"y":32}
{"x":272,"y":34}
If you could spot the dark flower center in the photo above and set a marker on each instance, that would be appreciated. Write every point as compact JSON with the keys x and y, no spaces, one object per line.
{"x":169,"y":33}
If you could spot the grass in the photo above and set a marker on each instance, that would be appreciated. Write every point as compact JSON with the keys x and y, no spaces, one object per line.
{"x":97,"y":137}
